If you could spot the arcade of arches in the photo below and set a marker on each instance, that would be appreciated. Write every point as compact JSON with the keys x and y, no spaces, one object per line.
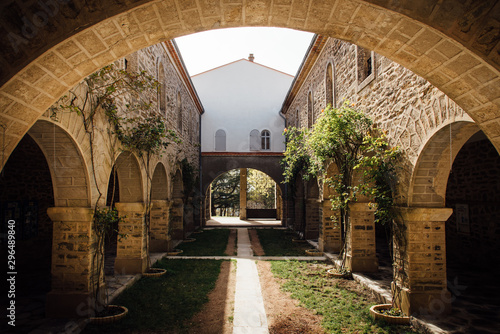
{"x":49,"y":46}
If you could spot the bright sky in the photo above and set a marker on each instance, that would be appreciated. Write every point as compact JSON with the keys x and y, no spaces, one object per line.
{"x":278,"y":48}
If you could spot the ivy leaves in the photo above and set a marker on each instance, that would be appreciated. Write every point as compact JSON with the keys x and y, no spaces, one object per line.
{"x":346,"y":137}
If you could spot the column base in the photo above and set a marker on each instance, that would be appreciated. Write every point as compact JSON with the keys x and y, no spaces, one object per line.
{"x":158,"y":246}
{"x":72,"y":304}
{"x":367,"y":264}
{"x":329,"y":246}
{"x":434,"y":303}
{"x":130,"y":266}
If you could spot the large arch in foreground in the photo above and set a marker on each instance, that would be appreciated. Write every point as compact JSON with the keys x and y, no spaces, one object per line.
{"x":48,"y":46}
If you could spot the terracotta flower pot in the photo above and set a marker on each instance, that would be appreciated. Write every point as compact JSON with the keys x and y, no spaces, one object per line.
{"x":175,"y":252}
{"x":313,"y":252}
{"x":336,"y":274}
{"x":154,"y":272}
{"x":119,"y":312}
{"x":390,"y":319}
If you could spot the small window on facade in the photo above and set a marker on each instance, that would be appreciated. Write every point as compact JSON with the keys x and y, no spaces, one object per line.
{"x":365,"y":63}
{"x":265,"y":140}
{"x":220,"y":140}
{"x":254,"y":140}
{"x":329,"y":86}
{"x":310,"y":110}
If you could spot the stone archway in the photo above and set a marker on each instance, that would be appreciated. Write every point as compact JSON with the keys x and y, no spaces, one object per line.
{"x":131,"y":254}
{"x":159,"y":210}
{"x":50,"y":46}
{"x":421,"y":247}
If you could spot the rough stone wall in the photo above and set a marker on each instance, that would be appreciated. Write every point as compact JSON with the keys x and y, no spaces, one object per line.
{"x":399,"y":101}
{"x":474,"y":181}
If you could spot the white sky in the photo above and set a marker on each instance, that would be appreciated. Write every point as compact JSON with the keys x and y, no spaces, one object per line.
{"x":278,"y":48}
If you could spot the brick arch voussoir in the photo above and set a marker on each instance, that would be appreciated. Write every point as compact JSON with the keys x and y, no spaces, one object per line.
{"x":430,"y":175}
{"x":69,"y":172}
{"x":71,"y":41}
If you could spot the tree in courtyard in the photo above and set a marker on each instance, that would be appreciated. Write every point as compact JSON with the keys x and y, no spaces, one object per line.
{"x":261,"y":190}
{"x":226,"y":193}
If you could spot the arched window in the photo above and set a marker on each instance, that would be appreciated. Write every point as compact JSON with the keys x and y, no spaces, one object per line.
{"x":329,"y":86}
{"x":265,"y":140}
{"x":220,"y":140}
{"x":310,"y":118}
{"x":254,"y":140}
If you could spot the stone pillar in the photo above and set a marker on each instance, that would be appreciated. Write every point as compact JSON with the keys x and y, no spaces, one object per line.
{"x":312,"y":218}
{"x":243,"y":193}
{"x":361,"y":247}
{"x":420,"y":272}
{"x":131,"y":253}
{"x":74,"y":277}
{"x":159,"y":225}
{"x":299,"y":214}
{"x":330,"y":239}
{"x":176,"y":219}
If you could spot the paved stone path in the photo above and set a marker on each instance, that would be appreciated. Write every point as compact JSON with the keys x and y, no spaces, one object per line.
{"x":249,"y":312}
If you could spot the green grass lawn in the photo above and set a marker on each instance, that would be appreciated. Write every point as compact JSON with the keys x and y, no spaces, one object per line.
{"x":167,"y":302}
{"x":209,"y":243}
{"x":277,"y":242}
{"x":343,"y":311}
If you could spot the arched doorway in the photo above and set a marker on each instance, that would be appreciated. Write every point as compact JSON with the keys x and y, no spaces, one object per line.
{"x":472,"y":231}
{"x":26,"y":194}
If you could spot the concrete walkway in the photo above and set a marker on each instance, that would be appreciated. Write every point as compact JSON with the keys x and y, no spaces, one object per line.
{"x":249,"y":312}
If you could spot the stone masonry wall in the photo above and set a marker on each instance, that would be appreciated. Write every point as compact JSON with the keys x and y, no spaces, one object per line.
{"x":408,"y":107}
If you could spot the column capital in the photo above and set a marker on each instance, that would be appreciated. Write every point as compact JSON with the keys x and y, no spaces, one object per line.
{"x":130,"y":207}
{"x":424,"y":214}
{"x":162,"y":203}
{"x":68,"y":214}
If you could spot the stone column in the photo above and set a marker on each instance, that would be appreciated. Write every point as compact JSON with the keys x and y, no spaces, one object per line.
{"x":131,"y":253}
{"x":361,"y":247}
{"x":312,"y":218}
{"x":74,"y":277}
{"x":159,"y":225}
{"x":420,"y":271}
{"x":330,"y":239}
{"x":176,"y":219}
{"x":279,"y":204}
{"x":243,"y":193}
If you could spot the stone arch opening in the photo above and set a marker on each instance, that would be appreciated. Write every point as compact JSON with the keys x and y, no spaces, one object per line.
{"x":177,"y":210}
{"x":130,"y":178}
{"x":26,"y":194}
{"x":131,"y":251}
{"x":247,"y":205}
{"x":159,"y":209}
{"x":472,"y":231}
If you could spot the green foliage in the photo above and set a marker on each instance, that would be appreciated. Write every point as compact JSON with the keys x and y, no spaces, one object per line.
{"x":276,"y":242}
{"x":189,"y":178}
{"x":208,"y":243}
{"x":165,"y":304}
{"x":342,"y":310}
{"x":261,"y":190}
{"x":296,"y":157}
{"x":226,"y":192}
